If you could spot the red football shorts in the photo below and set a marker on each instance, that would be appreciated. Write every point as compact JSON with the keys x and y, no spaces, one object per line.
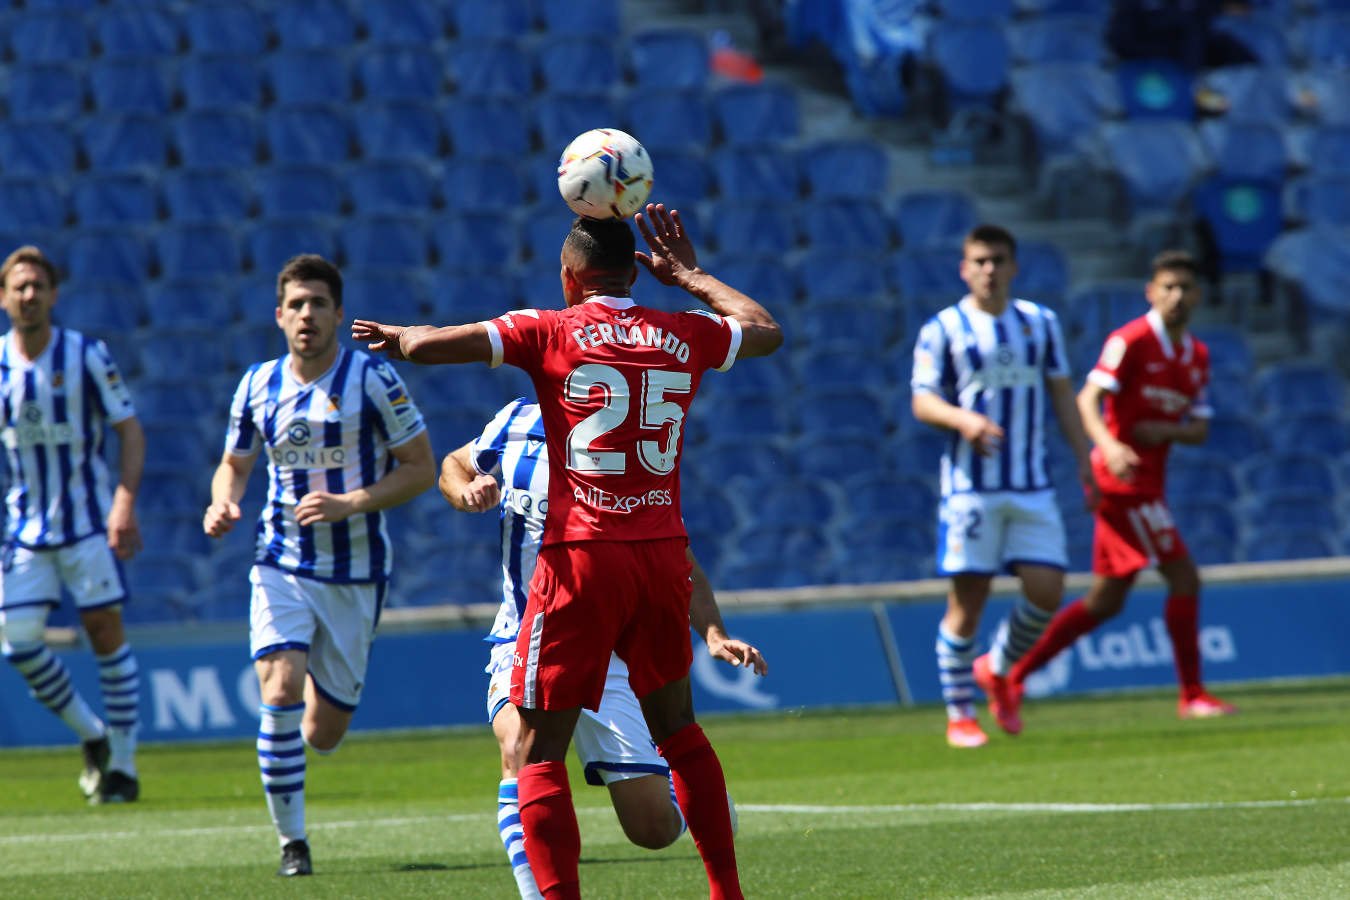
{"x":589,"y":599}
{"x":1133,"y":532}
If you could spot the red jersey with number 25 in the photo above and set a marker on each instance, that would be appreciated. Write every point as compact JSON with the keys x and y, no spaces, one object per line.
{"x":614,"y":382}
{"x":1148,"y":377}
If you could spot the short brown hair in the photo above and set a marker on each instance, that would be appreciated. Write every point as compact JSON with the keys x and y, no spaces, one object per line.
{"x":310,"y":267}
{"x":991,"y":234}
{"x":33,"y":257}
{"x":1175,"y":259}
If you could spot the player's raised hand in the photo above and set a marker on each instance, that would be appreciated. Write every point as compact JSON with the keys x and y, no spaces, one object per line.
{"x":220,"y":518}
{"x":379,"y":338}
{"x":321,"y":506}
{"x":738,"y":653}
{"x":481,"y":494}
{"x":672,"y":253}
{"x":982,"y":433}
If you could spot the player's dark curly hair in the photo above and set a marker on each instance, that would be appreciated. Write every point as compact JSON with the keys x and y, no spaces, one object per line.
{"x":310,"y":267}
{"x":603,"y":245}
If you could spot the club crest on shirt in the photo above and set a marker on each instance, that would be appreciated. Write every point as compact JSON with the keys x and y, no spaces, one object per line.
{"x":59,"y":380}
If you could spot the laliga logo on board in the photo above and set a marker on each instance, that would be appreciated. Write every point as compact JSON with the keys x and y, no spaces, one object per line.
{"x":741,"y":684}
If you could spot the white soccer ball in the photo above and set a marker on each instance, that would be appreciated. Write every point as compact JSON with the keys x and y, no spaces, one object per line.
{"x":605,"y":174}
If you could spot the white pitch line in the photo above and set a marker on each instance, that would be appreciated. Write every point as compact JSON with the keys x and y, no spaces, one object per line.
{"x":767,"y":808}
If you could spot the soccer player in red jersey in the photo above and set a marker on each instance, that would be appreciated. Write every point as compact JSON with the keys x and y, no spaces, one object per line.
{"x":1151,"y":383}
{"x":614,"y":382}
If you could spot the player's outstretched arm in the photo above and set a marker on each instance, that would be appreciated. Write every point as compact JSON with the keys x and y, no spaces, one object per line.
{"x":707,"y":621}
{"x":227,"y":489}
{"x":673,"y":261}
{"x":124,"y":533}
{"x":415,"y":472}
{"x":426,"y":344}
{"x":463,"y":486}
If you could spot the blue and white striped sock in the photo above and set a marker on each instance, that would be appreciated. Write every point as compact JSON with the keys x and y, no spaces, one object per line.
{"x":684,"y":826}
{"x":513,"y":838}
{"x":955,"y":656}
{"x":120,"y":679}
{"x":1017,"y":634}
{"x":281,"y":760}
{"x":51,"y":686}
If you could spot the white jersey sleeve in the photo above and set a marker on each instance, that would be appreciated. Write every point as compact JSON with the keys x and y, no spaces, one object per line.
{"x":242,"y":438}
{"x":932,"y":371}
{"x":398,"y":415}
{"x":107,"y":380}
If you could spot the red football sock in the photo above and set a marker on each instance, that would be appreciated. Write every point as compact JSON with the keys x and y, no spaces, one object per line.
{"x":552,"y":841}
{"x":701,"y":791}
{"x":1068,"y":625}
{"x":1182,"y":614}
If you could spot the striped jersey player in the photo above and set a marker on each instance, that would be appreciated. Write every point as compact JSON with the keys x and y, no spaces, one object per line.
{"x":68,"y":528}
{"x":614,"y":381}
{"x":343,"y":442}
{"x":986,"y":369}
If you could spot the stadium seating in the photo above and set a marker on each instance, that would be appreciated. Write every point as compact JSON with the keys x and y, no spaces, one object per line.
{"x":313,"y":24}
{"x":197,"y":251}
{"x":49,"y":38}
{"x":307,"y":134}
{"x":973,"y":59}
{"x":115,"y":255}
{"x":934,"y":218}
{"x":1293,"y":388}
{"x":498,"y":70}
{"x":561,"y":117}
{"x":578,"y":65}
{"x":1243,"y":216}
{"x":756,"y":114}
{"x":225,"y":28}
{"x":485,"y":128}
{"x":1155,"y":89}
{"x":271,"y":243}
{"x":220,"y":82}
{"x":400,"y":22}
{"x":1060,"y":38}
{"x":846,"y":169}
{"x":204,"y":196}
{"x":850,"y":225}
{"x":478,"y":242}
{"x":1327,"y":149}
{"x":100,"y":307}
{"x":385,"y":241}
{"x":217,"y":139}
{"x":582,"y":17}
{"x":1157,"y":159}
{"x":670,"y":120}
{"x":392,"y":74}
{"x":299,"y":191}
{"x":764,"y":229}
{"x":137,"y":32}
{"x":764,"y":174}
{"x":1256,"y":94}
{"x":34,"y":202}
{"x":398,"y":131}
{"x":390,"y":187}
{"x":668,"y":58}
{"x":130,"y":86}
{"x":304,"y":77}
{"x":486,"y":185}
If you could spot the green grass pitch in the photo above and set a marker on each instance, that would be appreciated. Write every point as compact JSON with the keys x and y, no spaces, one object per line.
{"x":1108,"y":797}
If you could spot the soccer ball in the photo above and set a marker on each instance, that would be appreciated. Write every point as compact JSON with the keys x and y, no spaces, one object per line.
{"x":605,"y":174}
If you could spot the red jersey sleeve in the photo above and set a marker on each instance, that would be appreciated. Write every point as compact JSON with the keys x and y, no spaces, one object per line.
{"x":519,"y":337}
{"x":1116,"y":363}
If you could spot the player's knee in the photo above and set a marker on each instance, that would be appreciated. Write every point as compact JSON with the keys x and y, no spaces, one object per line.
{"x":653,"y":832}
{"x":321,"y":741}
{"x":24,"y":632}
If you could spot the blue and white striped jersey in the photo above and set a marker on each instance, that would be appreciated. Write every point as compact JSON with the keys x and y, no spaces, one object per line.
{"x":54,"y":412}
{"x":512,"y":446}
{"x":332,"y":434}
{"x":996,"y":366}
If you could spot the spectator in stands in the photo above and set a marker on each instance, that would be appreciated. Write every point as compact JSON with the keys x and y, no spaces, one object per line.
{"x":614,"y":744}
{"x":1179,"y":30}
{"x":66,"y":528}
{"x":1152,"y":377}
{"x":344,"y":441}
{"x":983,"y":371}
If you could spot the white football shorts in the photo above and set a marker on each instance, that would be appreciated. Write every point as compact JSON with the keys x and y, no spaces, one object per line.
{"x":991,"y":532}
{"x":333,"y":623}
{"x":613,"y":744}
{"x":87,"y":569}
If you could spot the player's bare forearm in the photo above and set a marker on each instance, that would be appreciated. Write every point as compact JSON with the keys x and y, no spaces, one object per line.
{"x":428,"y":345}
{"x":462,"y":486}
{"x":931,"y":409}
{"x":703,"y":612}
{"x":131,"y":438}
{"x":230,"y":479}
{"x":1090,"y":413}
{"x":760,"y":332}
{"x":415,"y":472}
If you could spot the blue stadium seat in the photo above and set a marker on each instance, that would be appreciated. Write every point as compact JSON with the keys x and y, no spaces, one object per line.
{"x":1230,"y":392}
{"x":176,"y":534}
{"x":1292,"y":388}
{"x":496,"y":69}
{"x":44,"y":38}
{"x":561,"y":117}
{"x":928,"y":272}
{"x":162,"y":354}
{"x":879,"y":494}
{"x":669,"y":120}
{"x":974,"y":10}
{"x":1209,"y":549}
{"x":201,"y":196}
{"x":1324,"y":433}
{"x":839,"y":365}
{"x":271,"y":243}
{"x":1157,"y":160}
{"x":866,"y":326}
{"x":217,"y":139}
{"x":1042,"y":273}
{"x":308,"y":134}
{"x":187,"y":300}
{"x":1206,"y":477}
{"x":101,"y":308}
{"x":489,"y":185}
{"x":1242,"y":216}
{"x":114,"y":200}
{"x":43,"y":6}
{"x":45,"y":92}
{"x":544,"y":233}
{"x":668,"y":58}
{"x":768,"y":281}
{"x":1330,"y":92}
{"x":415,"y":22}
{"x":1204,"y":516}
{"x":225,"y":28}
{"x":130,"y":33}
{"x":1250,"y":150}
{"x":1260,"y":31}
{"x":767,"y":173}
{"x":973,"y":59}
{"x":300,"y":190}
{"x":304,"y":77}
{"x":1060,"y":38}
{"x":1228,"y":348}
{"x":828,"y":275}
{"x":903,"y":537}
{"x":753,"y":228}
{"x":1327,"y":149}
{"x":1096,"y":309}
{"x":390,"y":187}
{"x":844,"y":413}
{"x":467,"y":297}
{"x":398,"y":131}
{"x":1251,"y":93}
{"x":485,"y":128}
{"x":113,"y":255}
{"x":602,"y":18}
{"x":220,"y":82}
{"x":507,"y":19}
{"x":918,"y":453}
{"x":159,"y":580}
{"x":130,"y":87}
{"x":853,"y":225}
{"x":478,"y":242}
{"x":1237,"y":439}
{"x":742,"y":414}
{"x":1278,"y":543}
{"x":1064,"y":102}
{"x":1317,"y":199}
{"x":314,"y":24}
{"x":1155,"y":89}
{"x":1298,"y":474}
{"x":578,"y":65}
{"x":386,"y":241}
{"x":399,"y":73}
{"x":801,"y":502}
{"x":197,"y":251}
{"x":934,"y":218}
{"x":685,"y":180}
{"x":756,"y":114}
{"x":393,"y":296}
{"x":1324,"y":40}
{"x":33,"y":202}
{"x":252,"y":341}
{"x":845,"y":168}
